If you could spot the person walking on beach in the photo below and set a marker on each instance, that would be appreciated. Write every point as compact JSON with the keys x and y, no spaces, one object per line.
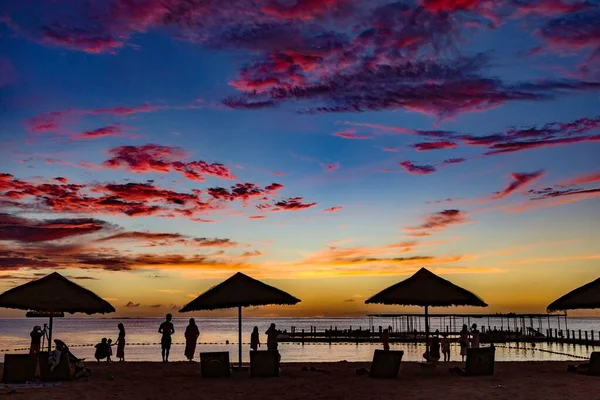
{"x":445,"y":347}
{"x":385,"y":338}
{"x":36,"y":339}
{"x":272,"y":334}
{"x":166,"y":329}
{"x":474,"y":337}
{"x":463,"y":340}
{"x":255,"y":339}
{"x":191,"y":338}
{"x":120,"y":343}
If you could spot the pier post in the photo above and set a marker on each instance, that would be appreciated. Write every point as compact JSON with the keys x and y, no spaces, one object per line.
{"x":586,"y":337}
{"x":302,"y":337}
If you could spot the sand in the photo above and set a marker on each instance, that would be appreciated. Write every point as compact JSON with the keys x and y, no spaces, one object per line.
{"x":145,"y":380}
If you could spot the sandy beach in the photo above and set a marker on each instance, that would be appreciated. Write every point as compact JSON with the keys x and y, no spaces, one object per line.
{"x":144,"y":380}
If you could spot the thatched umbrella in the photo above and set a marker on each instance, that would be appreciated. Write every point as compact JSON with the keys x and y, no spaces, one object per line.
{"x":239,"y":291}
{"x":584,"y":297}
{"x":54,"y":294}
{"x":426,"y":289}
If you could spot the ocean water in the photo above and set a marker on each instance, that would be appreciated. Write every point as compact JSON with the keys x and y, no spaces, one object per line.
{"x":143,"y":338}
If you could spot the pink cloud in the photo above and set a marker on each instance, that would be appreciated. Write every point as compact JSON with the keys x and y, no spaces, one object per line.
{"x":330,"y":167}
{"x":581,"y":180}
{"x":164,"y":159}
{"x":519,"y":181}
{"x":427,"y":146}
{"x":351,"y":134}
{"x":333,"y":209}
{"x":412,"y":168}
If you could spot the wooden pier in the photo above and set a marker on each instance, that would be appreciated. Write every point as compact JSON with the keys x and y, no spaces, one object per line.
{"x":408,"y":328}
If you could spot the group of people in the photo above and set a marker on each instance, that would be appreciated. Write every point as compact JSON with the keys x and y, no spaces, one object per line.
{"x":467,"y":339}
{"x":104,"y":348}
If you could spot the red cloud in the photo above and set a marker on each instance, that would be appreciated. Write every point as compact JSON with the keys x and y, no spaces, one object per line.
{"x":581,"y":180}
{"x":55,"y":120}
{"x":351,"y":134}
{"x":333,"y":209}
{"x":450,"y":5}
{"x":330,"y":167}
{"x":520,"y":180}
{"x":438,"y":221}
{"x":257,"y":217}
{"x":412,"y":168}
{"x":18,"y":229}
{"x":426,"y":146}
{"x":292,"y":204}
{"x":551,"y":193}
{"x":157,"y":158}
{"x":111,"y":130}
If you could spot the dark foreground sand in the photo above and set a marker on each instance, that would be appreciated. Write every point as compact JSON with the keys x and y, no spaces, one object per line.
{"x":143,"y":380}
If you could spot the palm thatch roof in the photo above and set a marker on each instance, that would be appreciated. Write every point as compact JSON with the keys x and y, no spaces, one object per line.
{"x":54,"y":293}
{"x":239,"y":291}
{"x":584,"y":297}
{"x":425,"y":288}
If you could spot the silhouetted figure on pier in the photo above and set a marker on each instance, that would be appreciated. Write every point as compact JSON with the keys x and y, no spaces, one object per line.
{"x":166,"y":329}
{"x":445,"y":347}
{"x":474,"y":337}
{"x":463,"y":341}
{"x":385,"y":338}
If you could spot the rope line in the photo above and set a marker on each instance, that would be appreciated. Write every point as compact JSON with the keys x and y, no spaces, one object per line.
{"x":545,"y":351}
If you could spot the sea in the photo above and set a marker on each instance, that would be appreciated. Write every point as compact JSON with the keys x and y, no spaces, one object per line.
{"x":221,"y":334}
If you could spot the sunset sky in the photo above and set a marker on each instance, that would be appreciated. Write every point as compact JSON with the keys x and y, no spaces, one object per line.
{"x":151,"y":148}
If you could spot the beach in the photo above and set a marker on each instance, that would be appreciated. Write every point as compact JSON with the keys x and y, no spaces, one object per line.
{"x":181,"y":380}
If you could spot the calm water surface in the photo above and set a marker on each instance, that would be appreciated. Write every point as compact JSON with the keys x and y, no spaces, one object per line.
{"x":142,"y":338}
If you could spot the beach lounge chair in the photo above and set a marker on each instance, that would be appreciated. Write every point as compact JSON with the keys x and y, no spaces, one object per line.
{"x":386,"y":364}
{"x":480,"y":361}
{"x":594,"y":367}
{"x":62,"y":372}
{"x":215,"y":364}
{"x":19,"y":368}
{"x":264,"y":364}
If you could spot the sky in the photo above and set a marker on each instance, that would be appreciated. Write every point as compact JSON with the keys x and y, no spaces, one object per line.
{"x":152,"y":148}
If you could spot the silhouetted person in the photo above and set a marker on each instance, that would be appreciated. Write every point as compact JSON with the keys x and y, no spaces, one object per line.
{"x":445,"y":347}
{"x":36,"y":339}
{"x":255,"y":339}
{"x":463,"y":340}
{"x":102,"y":350}
{"x":191,"y":338}
{"x":474,"y":337}
{"x":120,"y":343}
{"x":272,"y":334}
{"x":385,"y":338}
{"x":166,"y":329}
{"x":433,"y":353}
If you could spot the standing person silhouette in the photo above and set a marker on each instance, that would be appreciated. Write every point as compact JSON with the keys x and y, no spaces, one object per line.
{"x":255,"y":339}
{"x":166,"y":329}
{"x":36,"y":339}
{"x":120,"y":343}
{"x":191,"y":337}
{"x":272,"y":334}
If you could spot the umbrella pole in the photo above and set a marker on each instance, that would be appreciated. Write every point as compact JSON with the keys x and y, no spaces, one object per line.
{"x":240,"y":335}
{"x":50,"y":335}
{"x":427,"y":332}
